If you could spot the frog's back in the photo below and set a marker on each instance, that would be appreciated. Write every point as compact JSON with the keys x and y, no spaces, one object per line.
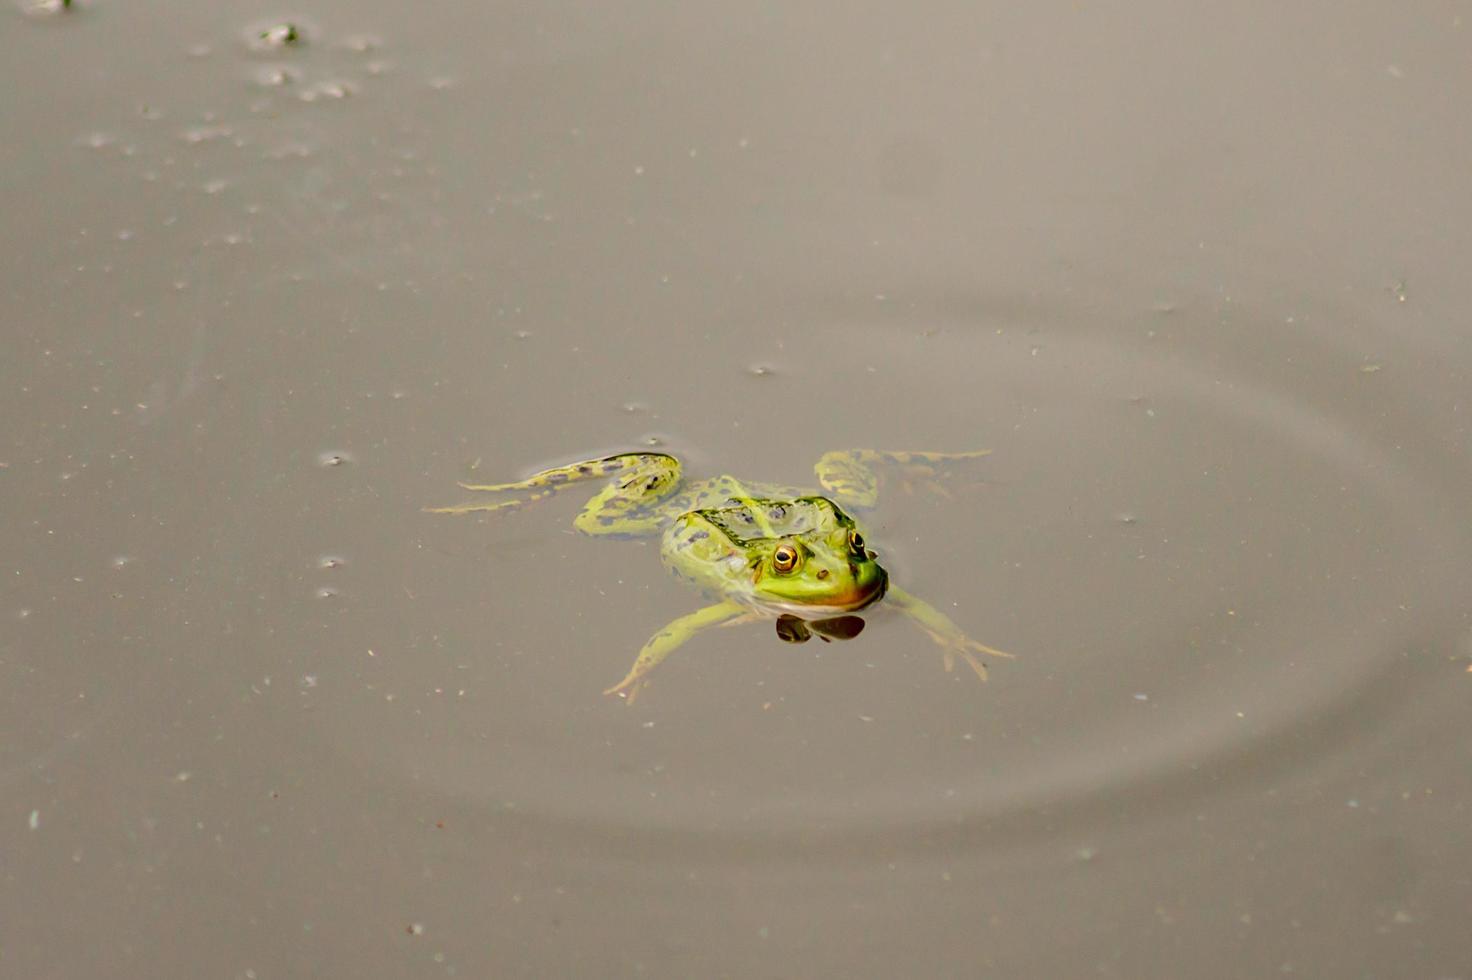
{"x":724,"y":490}
{"x":718,"y":547}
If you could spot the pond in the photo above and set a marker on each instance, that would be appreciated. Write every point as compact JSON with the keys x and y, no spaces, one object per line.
{"x":276,"y":280}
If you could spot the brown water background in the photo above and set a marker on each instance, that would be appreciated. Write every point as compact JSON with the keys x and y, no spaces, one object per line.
{"x":1197,"y":274}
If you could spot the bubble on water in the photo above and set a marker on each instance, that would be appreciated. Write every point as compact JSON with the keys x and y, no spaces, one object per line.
{"x":122,"y":561}
{"x":653,"y":440}
{"x":23,"y":613}
{"x":215,"y":186}
{"x":97,"y":141}
{"x":206,"y":134}
{"x":125,"y":234}
{"x":307,"y":682}
{"x":48,"y":8}
{"x":331,"y":458}
{"x":761,"y":370}
{"x":1126,"y":518}
{"x":634,"y":408}
{"x":331,"y":561}
{"x":276,"y":37}
{"x":327,"y":592}
{"x":289,"y":151}
{"x":362,"y":43}
{"x":276,"y":76}
{"x":326,"y":90}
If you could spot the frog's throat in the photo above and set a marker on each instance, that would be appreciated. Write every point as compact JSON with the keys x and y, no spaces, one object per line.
{"x":834,"y":605}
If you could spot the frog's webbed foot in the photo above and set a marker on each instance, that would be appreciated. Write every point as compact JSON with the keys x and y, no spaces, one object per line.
{"x":663,"y":643}
{"x":629,"y":688}
{"x":966,"y":649}
{"x":926,"y":478}
{"x":953,"y":643}
{"x":850,"y":476}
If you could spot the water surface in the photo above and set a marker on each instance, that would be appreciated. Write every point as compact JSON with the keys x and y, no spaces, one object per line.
{"x":1196,"y":276}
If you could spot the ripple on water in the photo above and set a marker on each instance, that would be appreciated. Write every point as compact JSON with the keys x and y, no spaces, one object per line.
{"x":1193,"y":563}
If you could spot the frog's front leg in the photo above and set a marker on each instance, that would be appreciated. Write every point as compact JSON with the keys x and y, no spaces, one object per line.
{"x":938,"y":626}
{"x":849,"y":475}
{"x":663,"y":643}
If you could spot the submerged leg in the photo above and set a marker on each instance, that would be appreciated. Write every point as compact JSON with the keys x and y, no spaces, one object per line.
{"x":639,"y":479}
{"x":663,"y":643}
{"x":938,"y":626}
{"x":848,"y":474}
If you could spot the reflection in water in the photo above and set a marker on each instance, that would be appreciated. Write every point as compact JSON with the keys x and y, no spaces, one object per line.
{"x":790,"y":629}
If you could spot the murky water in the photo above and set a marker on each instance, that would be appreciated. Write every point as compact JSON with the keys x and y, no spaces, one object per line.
{"x":1197,"y":278}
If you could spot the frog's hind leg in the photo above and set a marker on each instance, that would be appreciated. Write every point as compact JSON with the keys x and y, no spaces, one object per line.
{"x":948,"y":636}
{"x":636,"y":500}
{"x":663,"y":643}
{"x":849,"y":475}
{"x":545,"y":484}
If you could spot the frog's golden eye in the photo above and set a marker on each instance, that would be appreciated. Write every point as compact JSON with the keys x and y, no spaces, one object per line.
{"x":784,"y":559}
{"x":856,"y":542}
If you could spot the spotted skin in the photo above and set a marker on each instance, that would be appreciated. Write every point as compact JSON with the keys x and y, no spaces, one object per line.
{"x":762,"y":551}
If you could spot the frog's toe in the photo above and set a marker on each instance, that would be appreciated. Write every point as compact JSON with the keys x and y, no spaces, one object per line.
{"x":628,"y":689}
{"x":630,"y":686}
{"x":967,"y":649}
{"x":488,"y":487}
{"x":990,"y":651}
{"x":940,"y":489}
{"x":976,"y":666}
{"x":474,"y":508}
{"x":929,"y":485}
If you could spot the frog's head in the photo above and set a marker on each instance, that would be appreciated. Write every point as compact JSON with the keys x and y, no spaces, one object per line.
{"x":821,"y":572}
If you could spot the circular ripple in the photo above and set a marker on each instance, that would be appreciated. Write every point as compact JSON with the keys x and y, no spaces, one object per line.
{"x":1277,"y":556}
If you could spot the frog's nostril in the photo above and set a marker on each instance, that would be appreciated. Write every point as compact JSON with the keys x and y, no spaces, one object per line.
{"x":822,"y":573}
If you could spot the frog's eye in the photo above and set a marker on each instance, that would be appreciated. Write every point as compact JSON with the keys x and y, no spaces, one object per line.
{"x":856,"y":542}
{"x":784,"y":559}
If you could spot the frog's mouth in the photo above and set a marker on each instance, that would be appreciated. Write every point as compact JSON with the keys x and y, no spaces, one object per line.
{"x":859,"y":596}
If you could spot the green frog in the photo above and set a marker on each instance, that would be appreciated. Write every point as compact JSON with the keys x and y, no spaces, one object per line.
{"x":760,"y":551}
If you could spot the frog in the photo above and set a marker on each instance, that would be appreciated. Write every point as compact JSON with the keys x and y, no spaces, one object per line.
{"x":758,"y":551}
